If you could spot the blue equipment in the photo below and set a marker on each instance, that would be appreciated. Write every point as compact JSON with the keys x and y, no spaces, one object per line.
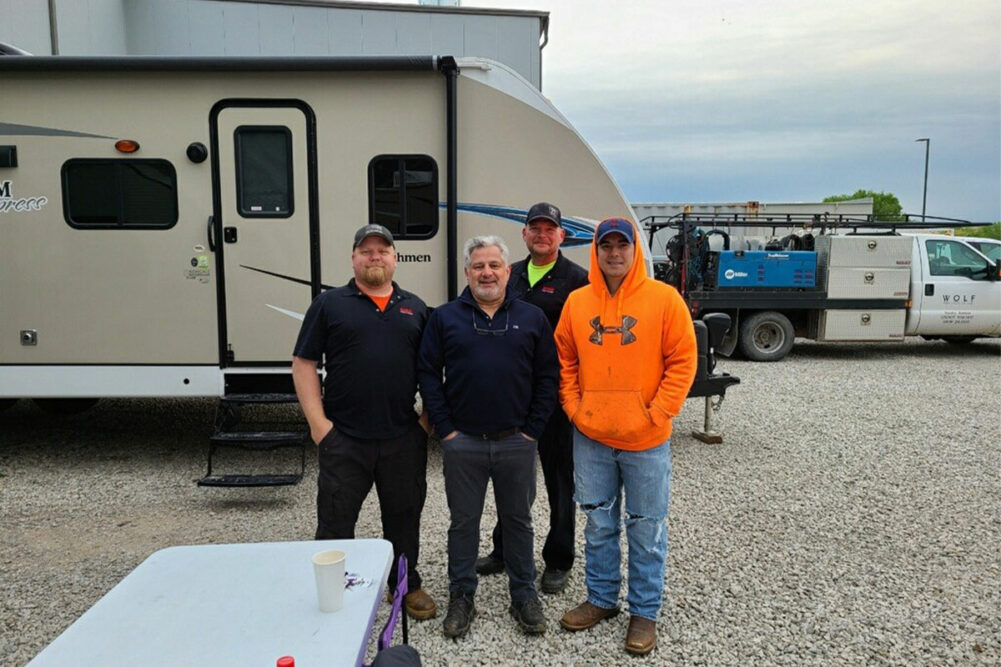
{"x":767,"y":268}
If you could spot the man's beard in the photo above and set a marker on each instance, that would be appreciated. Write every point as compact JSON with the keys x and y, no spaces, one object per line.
{"x":374,"y":276}
{"x":487,"y":293}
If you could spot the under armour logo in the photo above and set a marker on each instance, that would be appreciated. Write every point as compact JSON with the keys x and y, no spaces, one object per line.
{"x":600,"y":330}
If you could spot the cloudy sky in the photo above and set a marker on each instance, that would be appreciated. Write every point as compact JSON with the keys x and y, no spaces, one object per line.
{"x":783,"y":100}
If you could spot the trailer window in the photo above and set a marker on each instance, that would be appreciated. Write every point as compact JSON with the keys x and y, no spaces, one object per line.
{"x":120,"y":193}
{"x":403,"y":195}
{"x":263,"y":171}
{"x":951,"y":258}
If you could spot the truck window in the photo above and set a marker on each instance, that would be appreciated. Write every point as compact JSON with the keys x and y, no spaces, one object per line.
{"x":119,"y":193}
{"x":403,"y":195}
{"x":263,"y":171}
{"x":951,"y":258}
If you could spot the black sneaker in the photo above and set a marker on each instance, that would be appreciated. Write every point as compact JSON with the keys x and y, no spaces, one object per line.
{"x":554,"y":580}
{"x":489,"y":565}
{"x":461,"y":612}
{"x":529,"y":616}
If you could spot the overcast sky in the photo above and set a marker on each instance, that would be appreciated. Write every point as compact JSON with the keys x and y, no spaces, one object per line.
{"x":783,"y":100}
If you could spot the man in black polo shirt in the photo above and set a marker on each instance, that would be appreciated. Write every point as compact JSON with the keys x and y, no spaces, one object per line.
{"x":545,"y":279}
{"x":498,"y":359}
{"x":367,"y":333}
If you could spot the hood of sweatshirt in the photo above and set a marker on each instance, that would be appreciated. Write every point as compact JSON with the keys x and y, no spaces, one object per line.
{"x":634,"y":277}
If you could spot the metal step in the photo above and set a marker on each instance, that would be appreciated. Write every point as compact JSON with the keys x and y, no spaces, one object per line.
{"x":258,"y":439}
{"x":249,"y":480}
{"x":260,"y":398}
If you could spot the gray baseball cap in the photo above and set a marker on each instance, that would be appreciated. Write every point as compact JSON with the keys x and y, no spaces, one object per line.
{"x":373,"y":230}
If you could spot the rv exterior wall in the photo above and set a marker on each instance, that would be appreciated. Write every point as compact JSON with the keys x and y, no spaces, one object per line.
{"x":145,"y":298}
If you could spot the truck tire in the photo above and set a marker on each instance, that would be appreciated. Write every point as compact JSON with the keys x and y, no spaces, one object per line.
{"x":766,"y":336}
{"x":959,"y":340}
{"x":65,"y":406}
{"x":7,"y":403}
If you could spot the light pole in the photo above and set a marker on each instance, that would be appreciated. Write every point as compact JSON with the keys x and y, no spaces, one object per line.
{"x":924,"y":196}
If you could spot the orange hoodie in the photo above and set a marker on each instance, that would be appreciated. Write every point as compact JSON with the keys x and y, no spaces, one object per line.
{"x":626,"y":361}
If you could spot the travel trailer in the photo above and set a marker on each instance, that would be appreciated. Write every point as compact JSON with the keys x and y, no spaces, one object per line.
{"x":165,"y":222}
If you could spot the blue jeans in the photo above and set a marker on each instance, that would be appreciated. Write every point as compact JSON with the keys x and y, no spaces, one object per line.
{"x":601,"y":474}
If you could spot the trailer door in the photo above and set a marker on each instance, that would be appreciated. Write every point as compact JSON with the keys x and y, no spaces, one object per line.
{"x":263,"y":228}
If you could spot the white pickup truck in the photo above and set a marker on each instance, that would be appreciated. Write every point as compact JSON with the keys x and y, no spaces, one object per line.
{"x":854,"y":287}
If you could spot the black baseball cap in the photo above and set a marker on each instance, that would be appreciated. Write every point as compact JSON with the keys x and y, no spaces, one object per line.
{"x":373,"y":230}
{"x":614,"y":226}
{"x":544,"y":211}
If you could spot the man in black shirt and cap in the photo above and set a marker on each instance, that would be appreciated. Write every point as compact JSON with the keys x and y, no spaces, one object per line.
{"x":364,"y":423}
{"x":545,"y":279}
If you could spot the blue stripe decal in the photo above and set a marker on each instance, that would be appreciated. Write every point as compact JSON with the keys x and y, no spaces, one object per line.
{"x":579,"y":232}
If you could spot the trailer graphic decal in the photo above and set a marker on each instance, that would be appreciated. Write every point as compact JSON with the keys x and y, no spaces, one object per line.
{"x":579,"y":232}
{"x":38,"y":131}
{"x":21,"y":205}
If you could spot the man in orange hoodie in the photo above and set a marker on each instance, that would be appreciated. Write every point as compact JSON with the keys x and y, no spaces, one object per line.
{"x":627,"y":359}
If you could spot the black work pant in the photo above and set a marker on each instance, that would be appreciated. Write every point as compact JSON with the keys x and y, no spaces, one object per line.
{"x":510,"y":464}
{"x":556,"y":456}
{"x":398,"y":466}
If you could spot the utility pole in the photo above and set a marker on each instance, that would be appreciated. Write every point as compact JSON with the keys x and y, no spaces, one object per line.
{"x":924,"y":196}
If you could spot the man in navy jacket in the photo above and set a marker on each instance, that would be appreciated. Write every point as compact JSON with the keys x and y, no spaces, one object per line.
{"x":487,"y":373}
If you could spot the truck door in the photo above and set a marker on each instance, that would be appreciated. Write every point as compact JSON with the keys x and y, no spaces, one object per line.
{"x":959,"y":298}
{"x":263,"y":228}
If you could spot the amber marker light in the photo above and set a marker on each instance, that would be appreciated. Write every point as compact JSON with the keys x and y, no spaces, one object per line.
{"x":126,"y":146}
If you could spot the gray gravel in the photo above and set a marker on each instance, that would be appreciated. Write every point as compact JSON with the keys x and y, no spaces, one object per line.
{"x":852,"y":516}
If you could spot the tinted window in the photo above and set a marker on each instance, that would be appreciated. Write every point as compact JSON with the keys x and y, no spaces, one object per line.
{"x":951,"y":258}
{"x":119,"y":193}
{"x":403,"y":194}
{"x":264,"y":171}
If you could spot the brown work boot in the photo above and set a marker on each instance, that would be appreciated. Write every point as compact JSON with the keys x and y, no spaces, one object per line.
{"x":586,"y":615}
{"x":641,"y":636}
{"x":419,"y":605}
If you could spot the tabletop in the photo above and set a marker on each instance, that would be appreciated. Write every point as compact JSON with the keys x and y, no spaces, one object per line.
{"x":228,"y":604}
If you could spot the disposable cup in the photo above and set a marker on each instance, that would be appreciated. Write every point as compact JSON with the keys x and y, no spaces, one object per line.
{"x":329,"y":569}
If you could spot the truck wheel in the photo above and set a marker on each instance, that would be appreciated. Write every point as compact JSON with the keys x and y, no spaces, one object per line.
{"x":7,"y":403}
{"x":959,"y":340}
{"x":65,"y":406}
{"x":766,"y":336}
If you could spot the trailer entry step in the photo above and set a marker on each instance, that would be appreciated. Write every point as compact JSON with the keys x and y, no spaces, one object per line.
{"x":258,"y":439}
{"x":260,"y":398}
{"x":249,"y":480}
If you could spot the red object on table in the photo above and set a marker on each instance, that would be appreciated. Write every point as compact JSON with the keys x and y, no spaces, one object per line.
{"x":286,"y":661}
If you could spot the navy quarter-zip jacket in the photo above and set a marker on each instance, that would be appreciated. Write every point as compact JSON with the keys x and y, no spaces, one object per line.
{"x":476,"y":380}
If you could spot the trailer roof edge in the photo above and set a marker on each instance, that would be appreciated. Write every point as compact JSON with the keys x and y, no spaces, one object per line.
{"x":217,"y":64}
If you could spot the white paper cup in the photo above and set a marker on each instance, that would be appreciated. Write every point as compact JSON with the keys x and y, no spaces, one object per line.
{"x":329,"y":569}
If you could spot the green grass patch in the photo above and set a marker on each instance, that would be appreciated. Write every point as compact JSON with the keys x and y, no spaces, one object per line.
{"x":985,"y":232}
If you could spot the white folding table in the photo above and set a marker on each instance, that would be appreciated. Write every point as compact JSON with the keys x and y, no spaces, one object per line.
{"x":228,"y":604}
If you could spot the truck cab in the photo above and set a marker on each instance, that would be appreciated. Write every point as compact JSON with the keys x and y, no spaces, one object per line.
{"x":955,"y":290}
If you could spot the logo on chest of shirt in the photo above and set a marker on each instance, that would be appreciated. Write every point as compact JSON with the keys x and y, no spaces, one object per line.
{"x":406,"y":311}
{"x":549,"y":289}
{"x":628,"y":322}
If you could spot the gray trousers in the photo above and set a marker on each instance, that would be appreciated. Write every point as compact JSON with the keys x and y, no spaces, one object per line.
{"x":510,"y":464}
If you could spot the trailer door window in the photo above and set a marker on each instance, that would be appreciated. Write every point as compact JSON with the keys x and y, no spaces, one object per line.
{"x":403,"y":195}
{"x":951,"y":258}
{"x":119,"y":193}
{"x":263,"y":171}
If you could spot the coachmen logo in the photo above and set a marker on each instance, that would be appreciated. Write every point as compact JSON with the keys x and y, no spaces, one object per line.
{"x":22,"y":205}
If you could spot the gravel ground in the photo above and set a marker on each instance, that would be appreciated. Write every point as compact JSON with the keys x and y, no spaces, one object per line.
{"x":852,"y":516}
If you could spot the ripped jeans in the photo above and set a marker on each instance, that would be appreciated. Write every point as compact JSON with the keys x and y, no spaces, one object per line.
{"x":601,"y":474}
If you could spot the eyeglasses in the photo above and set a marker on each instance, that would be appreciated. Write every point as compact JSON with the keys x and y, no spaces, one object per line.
{"x":492,"y":332}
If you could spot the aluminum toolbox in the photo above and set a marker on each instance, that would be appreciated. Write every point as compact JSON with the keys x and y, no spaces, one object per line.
{"x":861,"y":325}
{"x":864,"y":251}
{"x":868,"y":283}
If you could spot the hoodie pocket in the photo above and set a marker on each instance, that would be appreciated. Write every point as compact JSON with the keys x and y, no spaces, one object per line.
{"x":613,"y":414}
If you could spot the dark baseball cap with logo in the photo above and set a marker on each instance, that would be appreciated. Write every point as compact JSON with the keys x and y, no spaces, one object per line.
{"x":614,"y":226}
{"x":373,"y":230}
{"x":544,"y":211}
